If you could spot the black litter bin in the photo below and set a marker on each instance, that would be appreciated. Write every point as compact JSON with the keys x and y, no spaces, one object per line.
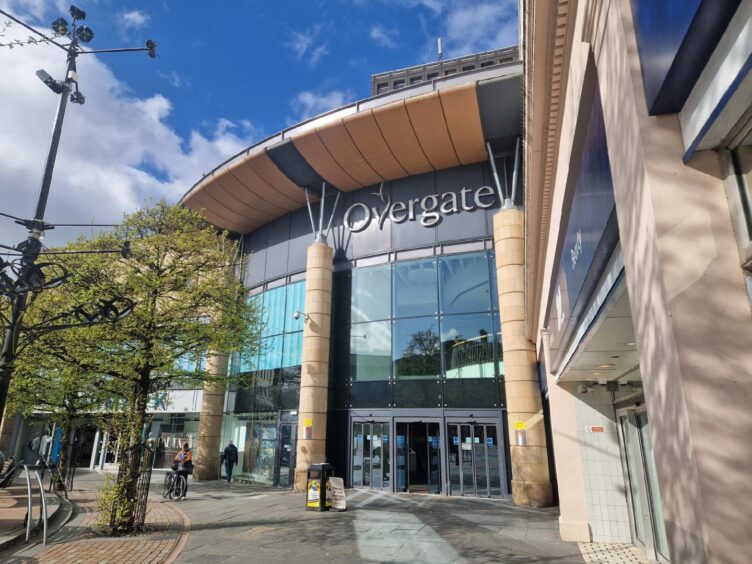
{"x":318,"y":488}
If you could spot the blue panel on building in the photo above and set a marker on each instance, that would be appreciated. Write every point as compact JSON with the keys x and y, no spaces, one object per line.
{"x":675,"y":39}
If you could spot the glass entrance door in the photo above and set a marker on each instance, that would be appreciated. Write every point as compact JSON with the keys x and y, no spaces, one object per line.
{"x":371,"y":460}
{"x":285,"y":474}
{"x":418,"y":457}
{"x":644,"y":493}
{"x":474,"y":460}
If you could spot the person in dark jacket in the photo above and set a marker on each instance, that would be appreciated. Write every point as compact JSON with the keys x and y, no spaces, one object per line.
{"x":230,"y":459}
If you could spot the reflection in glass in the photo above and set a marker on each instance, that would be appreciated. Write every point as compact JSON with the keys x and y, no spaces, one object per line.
{"x":499,"y":346}
{"x":467,"y":344}
{"x":295,"y":301}
{"x":287,"y":382}
{"x":415,"y":288}
{"x":371,"y":293}
{"x":371,"y":351}
{"x":357,"y":455}
{"x":292,"y":349}
{"x":464,"y":283}
{"x":274,"y":311}
{"x":416,"y":348}
{"x":654,"y":490}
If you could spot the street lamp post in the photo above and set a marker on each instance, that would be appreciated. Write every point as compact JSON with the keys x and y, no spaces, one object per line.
{"x":18,"y":278}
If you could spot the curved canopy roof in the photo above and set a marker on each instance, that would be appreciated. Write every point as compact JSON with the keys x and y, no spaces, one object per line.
{"x":419,"y":129}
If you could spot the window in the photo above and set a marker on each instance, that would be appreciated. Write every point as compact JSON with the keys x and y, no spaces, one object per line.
{"x":416,"y":80}
{"x":382,"y":87}
{"x":371,"y":351}
{"x":432,"y":75}
{"x":450,"y":71}
{"x":416,"y":349}
{"x":467,"y":345}
{"x":464,"y":283}
{"x":371,"y":294}
{"x":468,"y":68}
{"x":415,"y":288}
{"x":485,"y":64}
{"x":398,"y":84}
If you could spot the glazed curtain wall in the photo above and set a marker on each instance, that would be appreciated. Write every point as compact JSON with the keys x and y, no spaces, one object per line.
{"x":272,"y":384}
{"x":421,"y":334}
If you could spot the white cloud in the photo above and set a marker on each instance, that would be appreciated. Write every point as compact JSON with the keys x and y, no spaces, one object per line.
{"x":308,"y":103}
{"x":383,"y":36}
{"x":175,"y":79}
{"x":133,"y":19}
{"x":472,"y":27}
{"x":116,"y":151}
{"x":306,"y":45}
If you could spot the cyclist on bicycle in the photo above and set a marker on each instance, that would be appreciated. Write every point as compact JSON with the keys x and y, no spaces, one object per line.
{"x":184,"y":464}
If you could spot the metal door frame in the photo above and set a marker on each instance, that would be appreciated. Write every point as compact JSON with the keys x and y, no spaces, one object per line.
{"x":500,"y":439}
{"x":650,"y":546}
{"x":284,"y":418}
{"x":370,"y":420}
{"x":442,"y":450}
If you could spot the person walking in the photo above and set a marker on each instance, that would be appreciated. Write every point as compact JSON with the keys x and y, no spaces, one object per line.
{"x":230,"y":459}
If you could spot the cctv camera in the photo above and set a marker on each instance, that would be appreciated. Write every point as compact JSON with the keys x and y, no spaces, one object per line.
{"x":296,"y":315}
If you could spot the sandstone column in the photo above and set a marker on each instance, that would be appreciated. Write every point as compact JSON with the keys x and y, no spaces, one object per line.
{"x":206,"y":463}
{"x":314,"y":377}
{"x":531,"y":484}
{"x":7,"y":429}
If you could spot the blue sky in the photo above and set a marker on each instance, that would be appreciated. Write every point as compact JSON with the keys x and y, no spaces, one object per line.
{"x":228,"y":74}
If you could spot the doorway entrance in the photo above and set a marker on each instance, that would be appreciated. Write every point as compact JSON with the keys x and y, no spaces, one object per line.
{"x":371,"y":460}
{"x":645,"y":506}
{"x":284,"y":476}
{"x":418,"y":457}
{"x":474,"y":460}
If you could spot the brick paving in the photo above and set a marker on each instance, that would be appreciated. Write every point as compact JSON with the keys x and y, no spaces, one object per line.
{"x":80,"y":542}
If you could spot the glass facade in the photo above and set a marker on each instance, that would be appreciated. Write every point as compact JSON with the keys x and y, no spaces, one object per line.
{"x":424,"y":334}
{"x":271,"y":387}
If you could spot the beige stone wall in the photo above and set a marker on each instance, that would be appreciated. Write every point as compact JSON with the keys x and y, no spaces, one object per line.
{"x":206,"y":463}
{"x":314,"y":377}
{"x":689,"y":304}
{"x":6,"y":433}
{"x":530,"y":476}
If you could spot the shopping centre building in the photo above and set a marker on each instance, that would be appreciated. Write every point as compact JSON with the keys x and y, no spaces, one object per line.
{"x":520,"y":274}
{"x":368,"y":242}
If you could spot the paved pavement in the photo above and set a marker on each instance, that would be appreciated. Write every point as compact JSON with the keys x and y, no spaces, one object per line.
{"x":77,"y":541}
{"x":247,"y":523}
{"x":256,"y":524}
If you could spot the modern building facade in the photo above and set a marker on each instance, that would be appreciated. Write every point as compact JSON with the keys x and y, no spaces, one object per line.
{"x":637,"y":177}
{"x":371,"y":236}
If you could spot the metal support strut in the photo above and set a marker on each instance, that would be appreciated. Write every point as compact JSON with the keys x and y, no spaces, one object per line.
{"x":320,"y":234}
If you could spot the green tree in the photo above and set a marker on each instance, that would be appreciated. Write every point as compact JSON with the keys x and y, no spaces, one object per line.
{"x":181,"y":275}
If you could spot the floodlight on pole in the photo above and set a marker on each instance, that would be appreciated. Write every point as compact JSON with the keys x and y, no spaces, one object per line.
{"x":26,"y":274}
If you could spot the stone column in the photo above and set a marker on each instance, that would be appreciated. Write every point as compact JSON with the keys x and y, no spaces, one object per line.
{"x":531,"y":485}
{"x":7,"y":430}
{"x":314,"y":377}
{"x":206,"y":462}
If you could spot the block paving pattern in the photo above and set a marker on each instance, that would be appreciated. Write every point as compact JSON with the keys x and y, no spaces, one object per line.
{"x":79,"y":541}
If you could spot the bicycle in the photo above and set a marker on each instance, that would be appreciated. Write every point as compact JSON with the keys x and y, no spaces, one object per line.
{"x":175,"y":484}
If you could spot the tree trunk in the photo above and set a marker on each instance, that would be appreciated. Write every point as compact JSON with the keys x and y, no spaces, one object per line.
{"x":62,"y":461}
{"x":127,"y":494}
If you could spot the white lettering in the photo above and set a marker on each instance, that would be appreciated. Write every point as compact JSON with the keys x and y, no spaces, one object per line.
{"x":356,"y":227}
{"x":433,"y":207}
{"x":448,"y":203}
{"x":430,"y":216}
{"x":397,"y":207}
{"x":482,"y":192}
